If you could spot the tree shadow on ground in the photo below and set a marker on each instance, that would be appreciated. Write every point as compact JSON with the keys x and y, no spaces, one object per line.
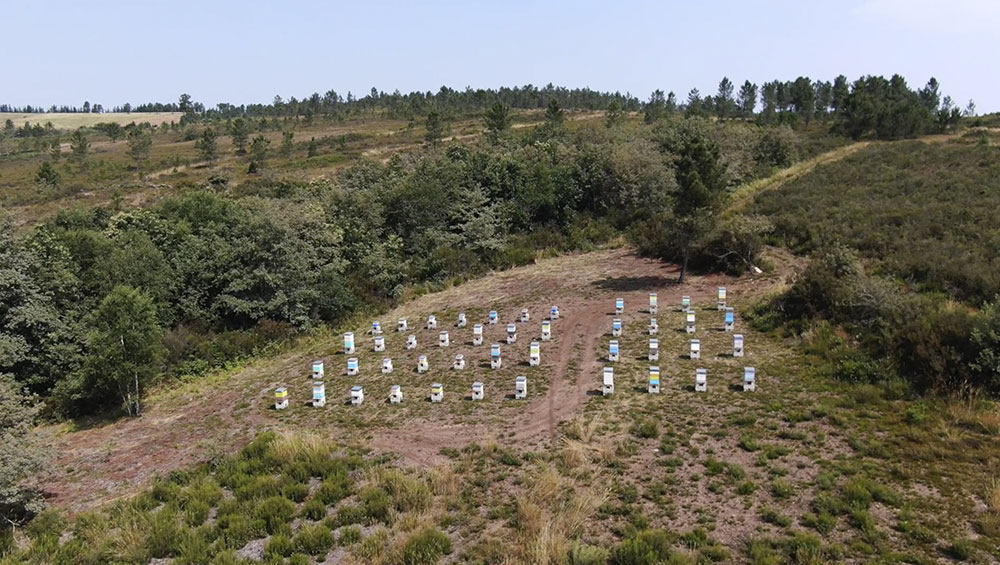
{"x":628,"y":284}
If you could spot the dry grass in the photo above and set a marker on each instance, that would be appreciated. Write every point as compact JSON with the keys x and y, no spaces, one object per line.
{"x":76,"y":120}
{"x":993,"y":495}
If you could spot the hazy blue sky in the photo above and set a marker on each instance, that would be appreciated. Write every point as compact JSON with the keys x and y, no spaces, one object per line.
{"x":246,"y":51}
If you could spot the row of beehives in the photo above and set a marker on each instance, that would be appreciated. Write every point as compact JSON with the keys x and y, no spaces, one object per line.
{"x":614,"y":351}
{"x":700,"y":380}
{"x":423,"y":364}
{"x":395,"y":393}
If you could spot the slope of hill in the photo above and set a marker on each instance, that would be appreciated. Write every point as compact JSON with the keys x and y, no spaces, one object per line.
{"x":802,"y":469}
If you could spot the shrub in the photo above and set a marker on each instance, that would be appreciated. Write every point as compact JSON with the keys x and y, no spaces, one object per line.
{"x":274,"y":512}
{"x":772,"y":516}
{"x":279,"y":545}
{"x":349,"y":535}
{"x":781,"y":489}
{"x":645,"y":429}
{"x":314,"y":539}
{"x":584,"y":554}
{"x":334,"y":489}
{"x":377,"y":505}
{"x":314,"y":510}
{"x":426,"y":546}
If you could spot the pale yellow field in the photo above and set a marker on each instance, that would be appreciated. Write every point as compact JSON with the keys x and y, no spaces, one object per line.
{"x":75,"y":120}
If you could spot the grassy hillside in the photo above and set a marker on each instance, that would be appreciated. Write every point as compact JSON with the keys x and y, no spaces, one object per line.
{"x":802,"y":470}
{"x":922,"y":212}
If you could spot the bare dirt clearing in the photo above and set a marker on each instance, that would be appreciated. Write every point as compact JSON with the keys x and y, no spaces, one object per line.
{"x":188,"y":422}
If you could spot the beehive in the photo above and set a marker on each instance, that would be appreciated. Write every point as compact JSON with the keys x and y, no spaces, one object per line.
{"x":654,"y":349}
{"x":477,"y":334}
{"x":690,"y":322}
{"x":422,"y":365}
{"x":478,"y":391}
{"x":376,"y":328}
{"x":494,"y":317}
{"x":317,"y":373}
{"x":616,"y":327}
{"x":619,"y":306}
{"x":443,"y":339}
{"x":432,"y":322}
{"x":730,"y":319}
{"x":280,"y":398}
{"x":411,"y":341}
{"x":695,"y":349}
{"x":395,"y":394}
{"x":749,"y":379}
{"x":379,"y":343}
{"x":521,"y":387}
{"x":685,"y":303}
{"x":608,"y":384}
{"x":535,"y":354}
{"x":462,"y":321}
{"x":525,"y":316}
{"x":554,"y":313}
{"x":495,"y":360}
{"x":437,"y":392}
{"x":737,"y":345}
{"x":319,"y":394}
{"x":349,"y":342}
{"x":386,"y":366}
{"x":353,"y":367}
{"x":401,"y":325}
{"x":613,"y":350}
{"x":654,"y":380}
{"x":701,"y":380}
{"x":459,"y":362}
{"x":546,"y":330}
{"x":722,"y":298}
{"x":654,"y":326}
{"x":511,"y":333}
{"x":357,"y":395}
{"x":653,"y":304}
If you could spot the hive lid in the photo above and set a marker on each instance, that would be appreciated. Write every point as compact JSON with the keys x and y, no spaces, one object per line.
{"x":357,"y":388}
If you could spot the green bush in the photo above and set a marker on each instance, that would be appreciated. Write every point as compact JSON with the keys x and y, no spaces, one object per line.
{"x":279,"y":545}
{"x":274,"y":512}
{"x":426,"y":546}
{"x":314,"y":539}
{"x":349,"y":535}
{"x":314,"y":510}
{"x":645,"y":429}
{"x":584,"y":554}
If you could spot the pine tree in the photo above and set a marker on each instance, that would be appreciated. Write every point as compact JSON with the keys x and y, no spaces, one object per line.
{"x":747,"y":99}
{"x":435,"y":128}
{"x":497,"y":120}
{"x":80,"y":146}
{"x":724,"y":102}
{"x":287,"y":143}
{"x":208,"y":145}
{"x":554,"y":115}
{"x":258,"y":153}
{"x":240,"y":133}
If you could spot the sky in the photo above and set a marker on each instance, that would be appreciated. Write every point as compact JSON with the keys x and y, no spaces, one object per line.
{"x":248,"y":51}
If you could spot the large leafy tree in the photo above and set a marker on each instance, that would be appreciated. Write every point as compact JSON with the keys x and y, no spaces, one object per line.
{"x":21,"y":454}
{"x":124,"y":348}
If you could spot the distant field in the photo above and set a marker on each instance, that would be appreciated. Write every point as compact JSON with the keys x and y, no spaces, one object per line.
{"x":75,"y":120}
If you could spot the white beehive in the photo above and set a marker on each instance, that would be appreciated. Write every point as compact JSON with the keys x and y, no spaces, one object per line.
{"x":386,"y":366}
{"x":525,"y":316}
{"x":535,"y":354}
{"x":653,"y":304}
{"x":554,"y":313}
{"x":317,"y":370}
{"x":722,"y":298}
{"x":521,"y":387}
{"x":478,"y":391}
{"x":616,"y":327}
{"x":685,"y":303}
{"x":443,"y":339}
{"x":357,"y":395}
{"x":654,"y":349}
{"x":690,"y":322}
{"x":494,"y":317}
{"x":411,"y":341}
{"x":379,"y":343}
{"x":511,"y":333}
{"x":546,"y":330}
{"x":701,"y":380}
{"x":376,"y":328}
{"x":737,"y":345}
{"x":730,"y":319}
{"x":654,"y":380}
{"x":432,"y":322}
{"x":280,"y":398}
{"x":437,"y":392}
{"x":353,"y":367}
{"x":395,"y":394}
{"x":495,"y":361}
{"x":654,"y":326}
{"x":608,"y":384}
{"x":695,"y":349}
{"x":749,"y":379}
{"x":459,"y":362}
{"x":477,"y":334}
{"x":619,"y":306}
{"x":349,"y":342}
{"x":319,"y":394}
{"x":422,"y":365}
{"x":613,"y":350}
{"x":401,"y":325}
{"x":462,"y":321}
